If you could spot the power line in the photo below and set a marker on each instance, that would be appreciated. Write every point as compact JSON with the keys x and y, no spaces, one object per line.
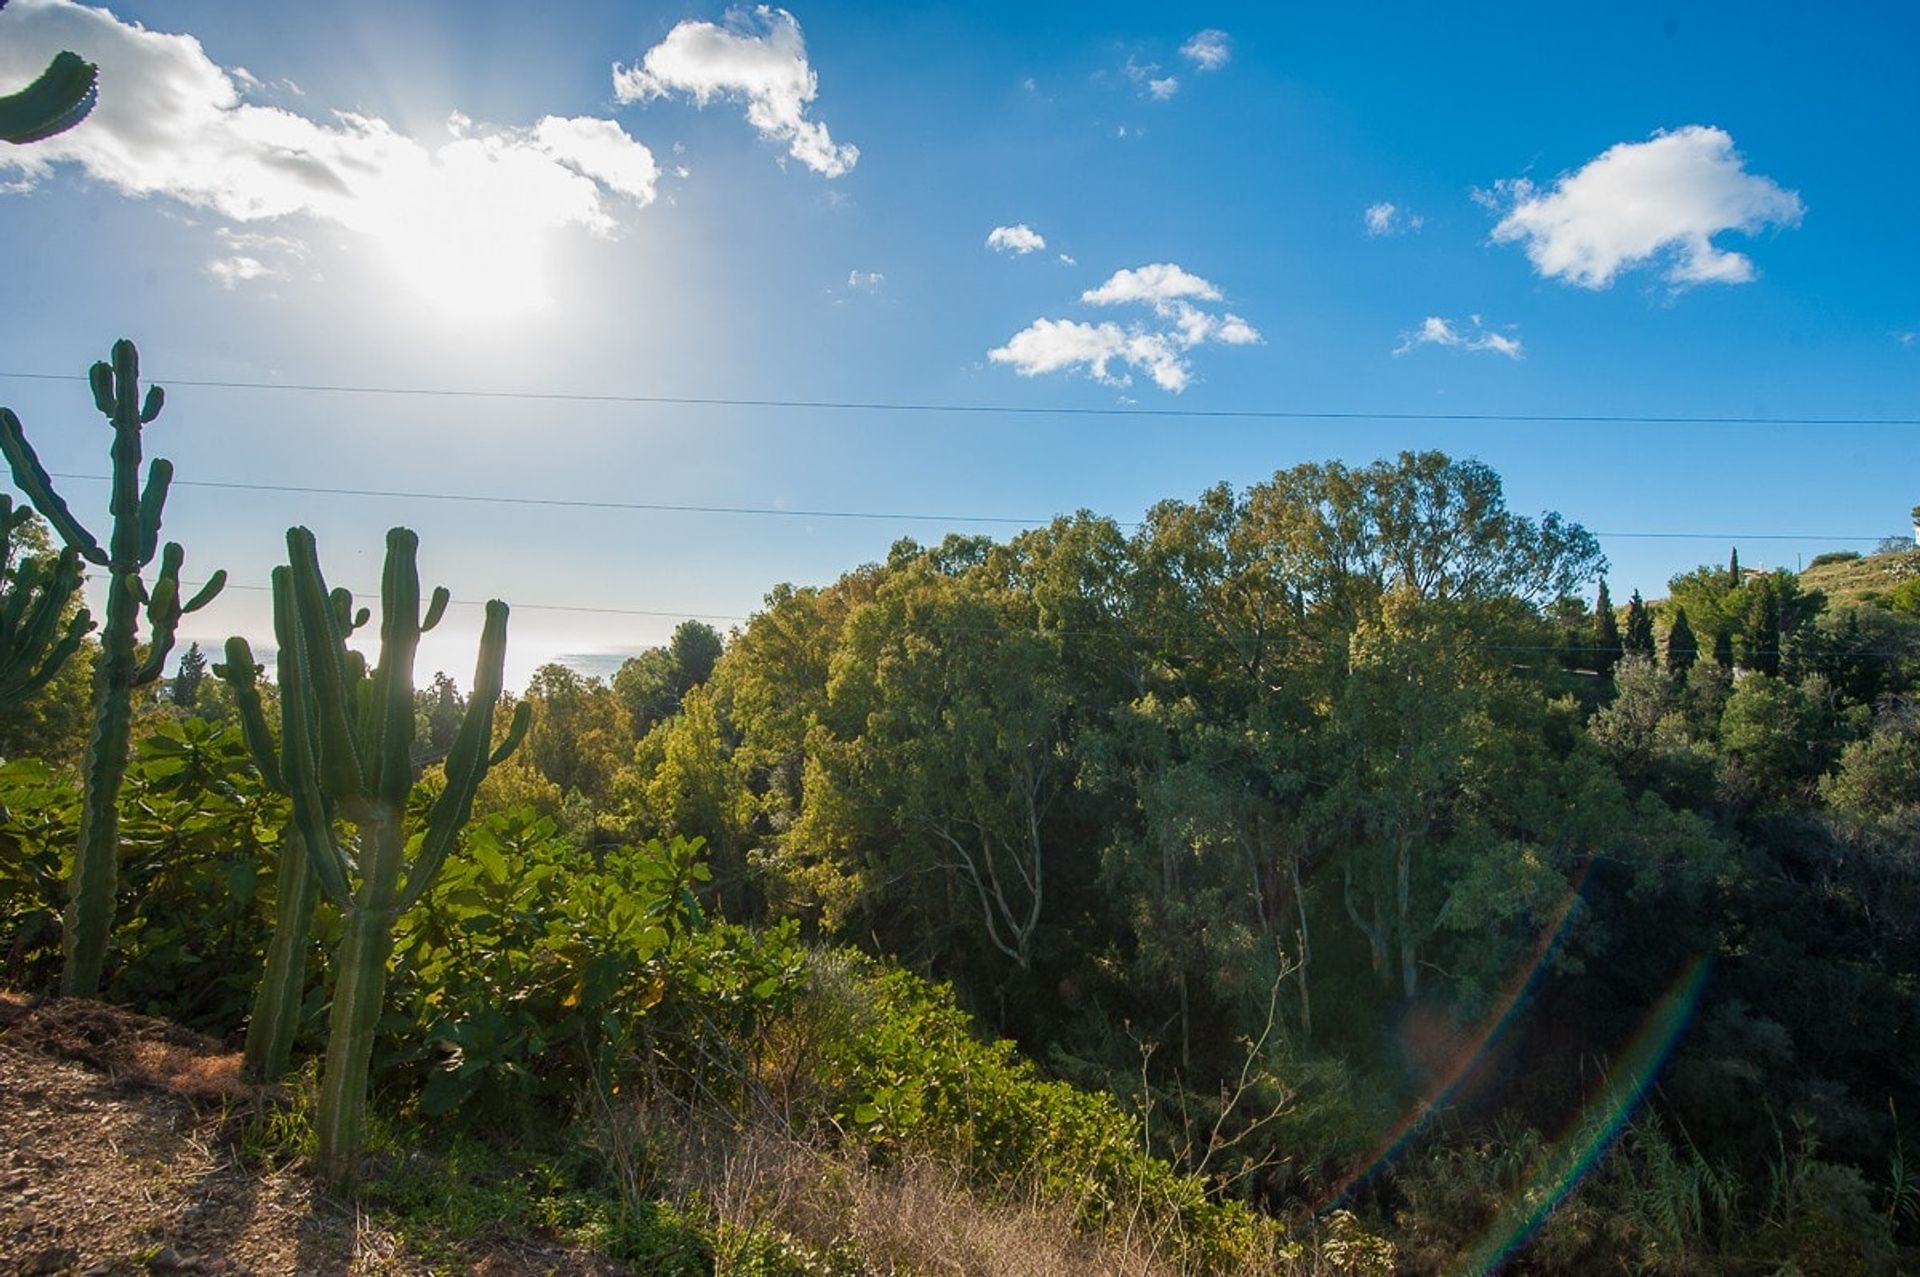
{"x":662,"y":507}
{"x":1012,"y":410}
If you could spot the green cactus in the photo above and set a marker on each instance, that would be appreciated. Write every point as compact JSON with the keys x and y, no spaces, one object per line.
{"x":277,"y":1002}
{"x":33,"y":647}
{"x":346,"y":750}
{"x":121,"y":668}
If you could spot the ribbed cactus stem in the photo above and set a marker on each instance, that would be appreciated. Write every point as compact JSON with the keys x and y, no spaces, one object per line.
{"x":34,"y":645}
{"x":131,"y":547}
{"x":347,"y":747}
{"x":278,"y":1000}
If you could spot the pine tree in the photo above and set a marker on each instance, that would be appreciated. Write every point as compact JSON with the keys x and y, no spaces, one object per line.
{"x":1606,"y":637}
{"x":1723,"y":649}
{"x":1639,"y":638}
{"x":185,"y":691}
{"x":1683,"y":649}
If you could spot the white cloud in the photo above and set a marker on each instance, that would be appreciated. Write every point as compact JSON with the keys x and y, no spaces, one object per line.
{"x":1208,"y":50}
{"x":1385,"y":218}
{"x":1435,"y":331}
{"x":1146,"y":78}
{"x":1156,"y":283}
{"x":1061,"y":345}
{"x":470,"y":211}
{"x":1021,"y":239}
{"x":232,"y":271}
{"x":1908,"y":338}
{"x":865,"y":281}
{"x":1159,"y":351}
{"x":1663,"y":198}
{"x":760,"y":57}
{"x":1067,"y":260}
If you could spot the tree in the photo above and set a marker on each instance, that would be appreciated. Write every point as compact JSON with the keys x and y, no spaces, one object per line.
{"x":1639,"y":636}
{"x":1760,"y":628}
{"x":442,"y":709}
{"x":185,"y":690}
{"x":652,"y":685}
{"x":1607,"y":647}
{"x":1683,"y":649}
{"x":1733,"y":569}
{"x":579,"y":738}
{"x":1723,"y":649}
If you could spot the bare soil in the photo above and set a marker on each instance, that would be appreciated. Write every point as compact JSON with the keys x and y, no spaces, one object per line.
{"x":116,"y":1157}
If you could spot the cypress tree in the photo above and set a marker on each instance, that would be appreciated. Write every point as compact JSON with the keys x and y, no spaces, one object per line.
{"x":185,"y":691}
{"x":1683,"y":649}
{"x":1760,"y":628}
{"x":1733,"y":568}
{"x":1606,"y":634}
{"x":1723,"y":649}
{"x":1639,"y":637}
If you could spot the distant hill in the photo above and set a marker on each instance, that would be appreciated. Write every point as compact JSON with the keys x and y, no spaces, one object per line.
{"x":1867,"y":579}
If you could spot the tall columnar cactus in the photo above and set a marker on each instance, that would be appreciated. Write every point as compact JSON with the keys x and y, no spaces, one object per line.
{"x":33,"y":645}
{"x":121,"y":668}
{"x":347,"y":751}
{"x":277,"y":1002}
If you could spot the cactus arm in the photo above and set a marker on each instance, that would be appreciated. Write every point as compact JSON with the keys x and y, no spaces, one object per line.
{"x":392,"y":735}
{"x":467,"y":761}
{"x":58,"y":98}
{"x":57,"y":658}
{"x":242,"y":675}
{"x":516,"y":732}
{"x":337,"y":755}
{"x":207,"y":593}
{"x":152,"y":501}
{"x":163,"y":614}
{"x":33,"y":480}
{"x":437,"y":608}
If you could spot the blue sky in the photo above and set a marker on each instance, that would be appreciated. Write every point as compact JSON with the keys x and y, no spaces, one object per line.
{"x":1662,"y":210}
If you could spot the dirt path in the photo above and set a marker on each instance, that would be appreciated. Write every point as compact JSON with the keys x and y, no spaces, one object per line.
{"x":114,"y":1159}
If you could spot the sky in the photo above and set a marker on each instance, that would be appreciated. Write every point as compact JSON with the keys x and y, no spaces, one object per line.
{"x":1656,"y":210}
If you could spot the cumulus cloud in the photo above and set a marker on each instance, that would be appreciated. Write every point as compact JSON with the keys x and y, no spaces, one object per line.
{"x":1156,"y":283}
{"x":1385,"y":218}
{"x":1105,"y":350}
{"x":1061,"y":345}
{"x":758,"y":57}
{"x":1208,"y":50}
{"x":1435,"y":331}
{"x":1664,"y":198}
{"x":177,"y":125}
{"x":865,"y":281}
{"x":1021,"y":239}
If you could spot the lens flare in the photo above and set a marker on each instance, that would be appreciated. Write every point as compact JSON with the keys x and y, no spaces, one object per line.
{"x":1514,"y":998}
{"x":1567,"y":1162}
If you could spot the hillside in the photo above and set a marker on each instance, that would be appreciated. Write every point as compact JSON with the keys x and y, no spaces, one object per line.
{"x":1868,"y":579}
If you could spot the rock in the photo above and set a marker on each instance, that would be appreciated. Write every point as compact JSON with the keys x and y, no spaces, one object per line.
{"x":54,"y":1259}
